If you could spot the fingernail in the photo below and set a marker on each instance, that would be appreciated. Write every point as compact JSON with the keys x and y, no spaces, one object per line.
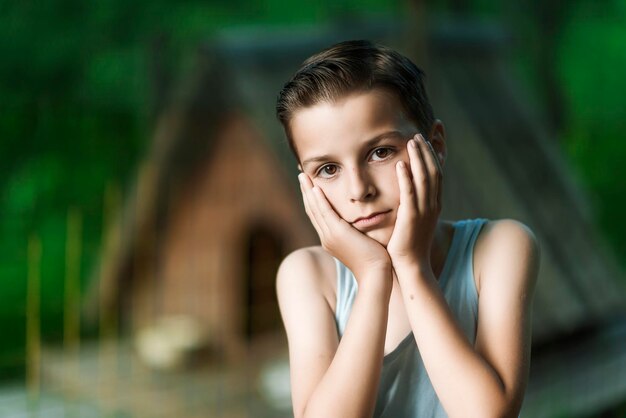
{"x":412,"y":143}
{"x":401,"y":164}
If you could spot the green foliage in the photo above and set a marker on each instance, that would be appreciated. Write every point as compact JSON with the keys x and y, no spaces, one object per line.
{"x":585,"y":41}
{"x":592,"y":60}
{"x":77,"y":101}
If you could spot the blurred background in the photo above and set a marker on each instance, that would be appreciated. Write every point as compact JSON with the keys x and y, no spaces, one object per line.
{"x":147,"y":195}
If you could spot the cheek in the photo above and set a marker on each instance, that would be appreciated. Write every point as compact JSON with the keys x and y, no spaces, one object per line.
{"x":387,"y":180}
{"x":333,"y":195}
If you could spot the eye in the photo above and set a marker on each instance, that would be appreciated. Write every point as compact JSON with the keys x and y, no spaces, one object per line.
{"x":327,"y":171}
{"x":381,"y":153}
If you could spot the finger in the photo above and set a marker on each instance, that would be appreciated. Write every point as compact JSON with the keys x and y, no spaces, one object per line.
{"x":428,"y":154}
{"x":330,"y":219}
{"x":407,"y":192}
{"x":307,"y":207}
{"x":305,"y":201}
{"x":419,"y":173}
{"x":435,"y":157}
{"x":303,"y":193}
{"x":438,"y":177}
{"x":305,"y":187}
{"x":405,"y":184}
{"x":317,"y":204}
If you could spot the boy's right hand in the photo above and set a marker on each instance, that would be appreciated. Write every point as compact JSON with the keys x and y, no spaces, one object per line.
{"x":360,"y":253}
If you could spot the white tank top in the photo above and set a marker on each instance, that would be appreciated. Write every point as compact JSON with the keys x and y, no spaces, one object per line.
{"x":405,"y":389}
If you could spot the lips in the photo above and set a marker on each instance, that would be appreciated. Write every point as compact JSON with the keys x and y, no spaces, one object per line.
{"x":371,"y":221}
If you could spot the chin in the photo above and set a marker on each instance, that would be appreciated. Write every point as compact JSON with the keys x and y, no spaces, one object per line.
{"x":380,"y":235}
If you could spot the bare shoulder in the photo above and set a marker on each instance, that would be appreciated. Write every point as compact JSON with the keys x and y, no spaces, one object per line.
{"x":507,"y":245}
{"x":507,"y":258}
{"x":302,"y":286}
{"x":506,"y":232}
{"x":307,"y":272}
{"x":314,"y":257}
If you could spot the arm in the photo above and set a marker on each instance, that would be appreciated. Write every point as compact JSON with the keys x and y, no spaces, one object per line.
{"x":331,"y":378}
{"x":487,"y":380}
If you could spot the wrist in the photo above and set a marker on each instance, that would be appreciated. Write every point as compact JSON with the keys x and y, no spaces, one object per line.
{"x":376,"y":279}
{"x":409,"y":256}
{"x":372,"y":267}
{"x":411,"y":262}
{"x":413,"y":269}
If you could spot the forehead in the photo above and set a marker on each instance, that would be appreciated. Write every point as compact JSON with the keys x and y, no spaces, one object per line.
{"x":329,"y":127}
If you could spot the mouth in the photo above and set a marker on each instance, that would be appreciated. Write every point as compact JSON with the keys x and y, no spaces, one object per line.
{"x":370,"y":221}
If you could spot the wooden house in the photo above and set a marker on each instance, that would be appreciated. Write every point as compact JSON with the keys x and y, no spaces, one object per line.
{"x":212,"y":215}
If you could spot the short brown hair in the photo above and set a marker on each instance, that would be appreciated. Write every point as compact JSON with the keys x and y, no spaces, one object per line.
{"x":349,"y":67}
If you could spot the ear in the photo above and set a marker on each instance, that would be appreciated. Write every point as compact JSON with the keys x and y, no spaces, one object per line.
{"x":437,"y":138}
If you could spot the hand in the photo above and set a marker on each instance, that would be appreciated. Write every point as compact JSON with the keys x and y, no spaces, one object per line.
{"x":356,"y":250}
{"x":420,"y":205}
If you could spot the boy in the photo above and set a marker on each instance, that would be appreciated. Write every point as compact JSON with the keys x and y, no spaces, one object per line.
{"x":398,"y":313}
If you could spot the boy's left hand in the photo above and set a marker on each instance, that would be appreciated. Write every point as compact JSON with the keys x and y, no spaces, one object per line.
{"x":420,"y":205}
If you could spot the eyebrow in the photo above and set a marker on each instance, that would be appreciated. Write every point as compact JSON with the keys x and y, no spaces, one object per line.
{"x":368,"y":144}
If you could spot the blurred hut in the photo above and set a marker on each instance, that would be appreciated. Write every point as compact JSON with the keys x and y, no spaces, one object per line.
{"x":216,"y":204}
{"x":212,"y":215}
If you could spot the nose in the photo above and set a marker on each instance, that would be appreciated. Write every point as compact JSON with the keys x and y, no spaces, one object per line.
{"x":361,"y":187}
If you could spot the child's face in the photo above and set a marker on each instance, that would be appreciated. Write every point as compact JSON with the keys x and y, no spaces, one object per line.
{"x":350,"y":150}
